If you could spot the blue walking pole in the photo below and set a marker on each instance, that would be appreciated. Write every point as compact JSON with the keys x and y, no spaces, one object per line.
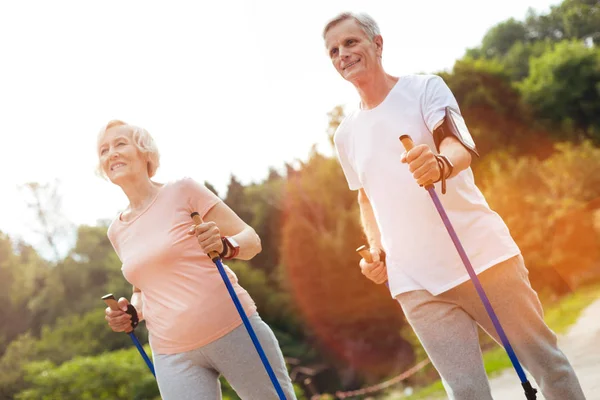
{"x":110,"y":301}
{"x":530,"y":392}
{"x":238,"y":305}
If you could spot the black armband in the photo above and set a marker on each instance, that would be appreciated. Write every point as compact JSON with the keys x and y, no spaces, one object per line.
{"x":454,"y":125}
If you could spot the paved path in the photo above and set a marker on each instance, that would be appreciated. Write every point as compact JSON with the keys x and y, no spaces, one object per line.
{"x":581,"y":344}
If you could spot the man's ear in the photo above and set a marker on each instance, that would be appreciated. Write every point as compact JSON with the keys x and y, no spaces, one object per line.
{"x":378,"y":40}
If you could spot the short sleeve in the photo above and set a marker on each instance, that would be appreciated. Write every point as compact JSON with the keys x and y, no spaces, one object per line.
{"x":340,"y":141}
{"x":199,"y":198}
{"x":436,"y":98}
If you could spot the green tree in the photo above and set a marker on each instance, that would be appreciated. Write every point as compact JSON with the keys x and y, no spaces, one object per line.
{"x":116,"y":375}
{"x":563,"y":89}
{"x":12,"y":363}
{"x":236,"y":199}
{"x":516,"y":61}
{"x":499,"y":39}
{"x":77,"y":282}
{"x":22,"y":273}
{"x":492,"y":107}
{"x":571,"y":19}
{"x":264,"y":202}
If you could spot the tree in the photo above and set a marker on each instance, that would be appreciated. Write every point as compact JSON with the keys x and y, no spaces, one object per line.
{"x":264,"y":202}
{"x":516,"y":60}
{"x":236,"y":199}
{"x":543,"y":203}
{"x":118,"y":375}
{"x":500,"y":38}
{"x":492,"y":108}
{"x":354,"y":321}
{"x":46,"y":203}
{"x":22,"y":274}
{"x":336,"y":116}
{"x":572,"y":19}
{"x":77,"y":282}
{"x":211,"y":188}
{"x":563,"y":89}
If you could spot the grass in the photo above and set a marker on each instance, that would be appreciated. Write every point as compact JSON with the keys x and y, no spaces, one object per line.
{"x":559,"y":316}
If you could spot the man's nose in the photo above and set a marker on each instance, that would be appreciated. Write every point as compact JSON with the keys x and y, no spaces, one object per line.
{"x":344,"y":53}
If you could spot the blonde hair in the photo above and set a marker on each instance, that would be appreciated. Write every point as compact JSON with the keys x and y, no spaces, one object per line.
{"x":141,"y":139}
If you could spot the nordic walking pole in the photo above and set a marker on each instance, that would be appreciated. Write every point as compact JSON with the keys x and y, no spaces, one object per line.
{"x":530,"y":392}
{"x":214,"y":256}
{"x":110,"y":301}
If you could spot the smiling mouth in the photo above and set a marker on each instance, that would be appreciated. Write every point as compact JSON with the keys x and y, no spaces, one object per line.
{"x":351,"y":64}
{"x":117,"y":166}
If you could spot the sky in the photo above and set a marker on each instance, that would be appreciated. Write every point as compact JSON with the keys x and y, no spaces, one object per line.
{"x":224,"y":87}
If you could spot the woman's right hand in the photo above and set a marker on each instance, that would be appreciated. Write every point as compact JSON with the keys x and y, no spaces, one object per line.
{"x":119,"y":320}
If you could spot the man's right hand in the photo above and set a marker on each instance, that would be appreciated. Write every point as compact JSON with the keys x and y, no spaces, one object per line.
{"x":119,"y":320}
{"x":376,"y":270}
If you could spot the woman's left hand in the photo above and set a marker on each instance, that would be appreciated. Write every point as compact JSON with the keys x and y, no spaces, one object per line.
{"x":209,"y":236}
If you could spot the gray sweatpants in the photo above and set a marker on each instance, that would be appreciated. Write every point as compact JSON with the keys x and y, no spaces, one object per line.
{"x":446,"y":326}
{"x":194,"y":375}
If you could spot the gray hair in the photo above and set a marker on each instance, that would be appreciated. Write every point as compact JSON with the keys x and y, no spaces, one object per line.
{"x":141,"y":139}
{"x":365,"y":21}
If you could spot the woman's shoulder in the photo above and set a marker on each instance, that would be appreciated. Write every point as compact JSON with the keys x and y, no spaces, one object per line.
{"x":185,"y":182}
{"x":190,"y":185}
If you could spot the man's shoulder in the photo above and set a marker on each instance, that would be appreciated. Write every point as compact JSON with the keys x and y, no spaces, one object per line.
{"x":420,"y":81}
{"x":344,"y":128}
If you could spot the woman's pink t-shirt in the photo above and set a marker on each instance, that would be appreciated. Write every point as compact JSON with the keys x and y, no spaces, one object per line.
{"x":185,"y":302}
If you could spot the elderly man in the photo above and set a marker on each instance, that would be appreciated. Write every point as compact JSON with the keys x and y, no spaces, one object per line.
{"x":423,"y":269}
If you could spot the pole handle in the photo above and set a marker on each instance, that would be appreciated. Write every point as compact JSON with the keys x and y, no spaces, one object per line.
{"x":407,"y":142}
{"x":112,"y":303}
{"x":198,"y":220}
{"x":365,"y":253}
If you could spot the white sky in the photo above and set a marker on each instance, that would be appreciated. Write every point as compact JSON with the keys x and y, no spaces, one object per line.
{"x":197,"y":75}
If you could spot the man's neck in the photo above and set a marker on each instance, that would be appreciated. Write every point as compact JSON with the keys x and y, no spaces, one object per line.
{"x":374,"y":89}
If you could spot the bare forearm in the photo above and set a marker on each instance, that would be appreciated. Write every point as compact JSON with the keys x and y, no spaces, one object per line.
{"x":456,"y":153}
{"x":249,"y":242}
{"x":136,"y":301}
{"x":369,"y":223}
{"x":231,"y":225}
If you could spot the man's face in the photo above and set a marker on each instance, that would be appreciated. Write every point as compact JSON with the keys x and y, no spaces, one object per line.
{"x":351,"y":51}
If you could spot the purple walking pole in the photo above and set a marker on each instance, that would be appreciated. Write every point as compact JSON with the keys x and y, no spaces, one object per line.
{"x":530,"y":392}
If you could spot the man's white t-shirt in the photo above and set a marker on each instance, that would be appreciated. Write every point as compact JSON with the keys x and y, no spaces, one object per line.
{"x":420,"y":253}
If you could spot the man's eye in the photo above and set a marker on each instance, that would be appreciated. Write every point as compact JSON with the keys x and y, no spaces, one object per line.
{"x":333,"y":51}
{"x":351,"y":41}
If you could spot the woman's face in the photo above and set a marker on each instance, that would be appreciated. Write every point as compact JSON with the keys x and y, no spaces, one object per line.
{"x":120,"y":158}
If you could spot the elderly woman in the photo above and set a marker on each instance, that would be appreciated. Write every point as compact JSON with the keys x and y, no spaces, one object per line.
{"x":195,"y":332}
